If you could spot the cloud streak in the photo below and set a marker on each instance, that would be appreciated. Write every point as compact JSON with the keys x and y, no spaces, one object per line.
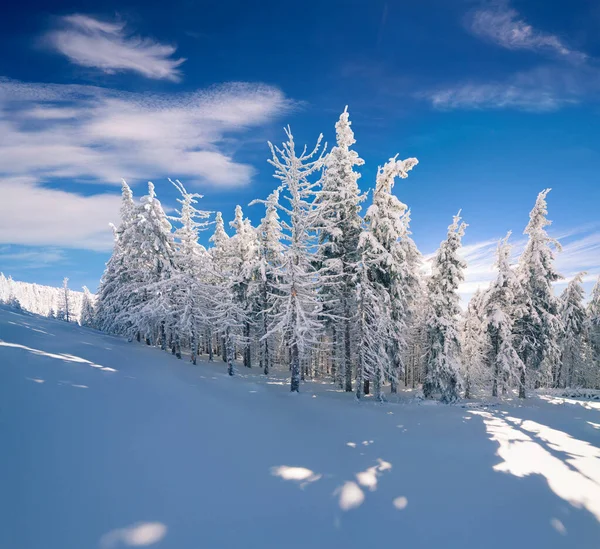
{"x":569,"y":78}
{"x":502,"y":25}
{"x":101,"y":135}
{"x":108,"y":46}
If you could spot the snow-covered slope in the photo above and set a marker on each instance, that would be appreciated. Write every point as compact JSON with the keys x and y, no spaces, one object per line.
{"x":109,"y":444}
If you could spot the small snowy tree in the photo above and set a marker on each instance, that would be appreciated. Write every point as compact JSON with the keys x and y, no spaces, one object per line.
{"x":87,"y":317}
{"x":442,"y":366}
{"x":537,"y":325}
{"x":64,"y":308}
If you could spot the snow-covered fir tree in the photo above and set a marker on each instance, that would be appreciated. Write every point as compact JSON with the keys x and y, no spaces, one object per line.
{"x":572,"y":368}
{"x":87,"y":317}
{"x":442,"y":363}
{"x":473,"y":341}
{"x":108,"y":304}
{"x":270,"y":253}
{"x":390,"y":270}
{"x":537,"y":321}
{"x":64,"y":305}
{"x":338,"y":221}
{"x":298,"y":309}
{"x":593,"y":320}
{"x":243,"y":249}
{"x":189,"y":284}
{"x":505,"y":364}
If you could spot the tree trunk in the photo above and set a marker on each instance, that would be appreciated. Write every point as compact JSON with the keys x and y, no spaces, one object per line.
{"x":247,"y":349}
{"x":347,"y":350}
{"x":193,"y":359}
{"x":295,"y":366}
{"x":163,"y":336}
{"x":229,"y":352}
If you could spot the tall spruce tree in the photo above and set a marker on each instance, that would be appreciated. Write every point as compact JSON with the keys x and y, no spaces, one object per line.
{"x":338,"y":221}
{"x":442,"y":366}
{"x":571,"y":369}
{"x":298,"y":309}
{"x":499,"y":309}
{"x":537,"y":325}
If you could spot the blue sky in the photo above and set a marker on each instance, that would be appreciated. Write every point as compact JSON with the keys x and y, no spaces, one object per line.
{"x":498,"y":100}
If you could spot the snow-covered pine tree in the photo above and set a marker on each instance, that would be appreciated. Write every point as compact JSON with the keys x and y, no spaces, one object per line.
{"x":145,"y":296}
{"x":537,"y":324}
{"x":219,"y":255}
{"x":189,"y":284}
{"x":373,"y":316}
{"x":107,"y":303}
{"x":270,"y":250}
{"x":413,"y":300}
{"x":230,"y":314}
{"x":297,"y":317}
{"x":473,"y":343}
{"x":385,"y":272}
{"x":442,"y":363}
{"x":593,"y":312}
{"x":571,"y":369}
{"x":504,"y":361}
{"x":338,"y":221}
{"x":87,"y":316}
{"x":243,"y":248}
{"x":64,"y":307}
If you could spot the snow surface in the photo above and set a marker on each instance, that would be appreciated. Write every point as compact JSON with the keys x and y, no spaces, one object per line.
{"x":108,"y":444}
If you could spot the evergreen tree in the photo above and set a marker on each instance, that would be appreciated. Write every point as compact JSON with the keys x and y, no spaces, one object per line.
{"x":64,"y":308}
{"x":337,"y":218}
{"x":473,"y":343}
{"x":574,"y":336}
{"x":442,"y":367}
{"x":108,"y":304}
{"x":243,"y":248}
{"x":499,"y":310}
{"x":189,"y":283}
{"x":270,"y":252}
{"x":87,"y":316}
{"x":593,"y":321}
{"x":298,"y":310}
{"x":384,"y":253}
{"x":537,"y":325}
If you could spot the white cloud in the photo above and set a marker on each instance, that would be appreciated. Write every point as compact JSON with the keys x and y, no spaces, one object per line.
{"x":97,"y":134}
{"x":37,"y":216}
{"x":31,"y":258}
{"x":569,"y":79}
{"x":545,"y":88}
{"x":109,"y":47}
{"x":580,"y":252}
{"x":499,"y":23}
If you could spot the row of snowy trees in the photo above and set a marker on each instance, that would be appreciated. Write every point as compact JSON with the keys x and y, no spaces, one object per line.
{"x":62,"y":303}
{"x":322,"y":290}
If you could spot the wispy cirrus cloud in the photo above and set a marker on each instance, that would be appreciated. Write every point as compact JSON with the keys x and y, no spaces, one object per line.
{"x":97,"y":134}
{"x":497,"y":22}
{"x":53,"y":218}
{"x":568,"y":78}
{"x":88,"y":134}
{"x":30,"y":258}
{"x":580,"y":252}
{"x":108,"y":46}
